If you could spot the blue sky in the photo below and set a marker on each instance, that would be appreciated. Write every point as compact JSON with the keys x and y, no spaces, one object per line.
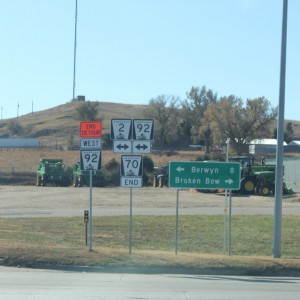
{"x":130,"y":51}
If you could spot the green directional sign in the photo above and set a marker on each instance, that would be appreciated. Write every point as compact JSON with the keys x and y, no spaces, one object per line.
{"x":204,"y":175}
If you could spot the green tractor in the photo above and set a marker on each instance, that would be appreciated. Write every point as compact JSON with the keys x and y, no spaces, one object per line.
{"x":82,"y":177}
{"x":256,"y":178}
{"x":51,"y":171}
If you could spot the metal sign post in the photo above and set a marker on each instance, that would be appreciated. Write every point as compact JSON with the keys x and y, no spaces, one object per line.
{"x":91,"y":210}
{"x":130,"y":222}
{"x":177,"y":221}
{"x":131,"y":136}
{"x":90,"y":158}
{"x":229,"y":223}
{"x":205,"y":175}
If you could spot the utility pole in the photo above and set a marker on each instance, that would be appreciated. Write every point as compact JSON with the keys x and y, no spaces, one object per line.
{"x":75,"y":45}
{"x":280,"y":138}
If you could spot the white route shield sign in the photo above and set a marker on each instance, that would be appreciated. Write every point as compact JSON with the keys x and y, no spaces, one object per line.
{"x":143,"y":129}
{"x":131,"y":165}
{"x":90,"y":159}
{"x":121,"y":129}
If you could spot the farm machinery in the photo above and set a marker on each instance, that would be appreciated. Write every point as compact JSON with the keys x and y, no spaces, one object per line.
{"x":161,"y":176}
{"x":51,"y":171}
{"x":81,"y":177}
{"x":256,"y":178}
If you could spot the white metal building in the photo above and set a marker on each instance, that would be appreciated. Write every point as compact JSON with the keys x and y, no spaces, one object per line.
{"x":291,"y":171}
{"x":19,"y":143}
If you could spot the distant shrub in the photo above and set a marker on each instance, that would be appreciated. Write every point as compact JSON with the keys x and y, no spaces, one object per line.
{"x":111,"y":172}
{"x":87,"y":111}
{"x":14,"y":127}
{"x":148,"y":167}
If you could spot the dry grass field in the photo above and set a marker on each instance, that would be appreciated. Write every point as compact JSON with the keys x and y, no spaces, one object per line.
{"x":25,"y":160}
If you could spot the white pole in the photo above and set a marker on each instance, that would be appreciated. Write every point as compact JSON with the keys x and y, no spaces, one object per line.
{"x":226,"y":201}
{"x":280,"y":140}
{"x":177,"y":221}
{"x":75,"y":46}
{"x":130,"y":223}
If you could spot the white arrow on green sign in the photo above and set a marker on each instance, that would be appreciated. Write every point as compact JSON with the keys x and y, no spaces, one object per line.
{"x":204,"y":175}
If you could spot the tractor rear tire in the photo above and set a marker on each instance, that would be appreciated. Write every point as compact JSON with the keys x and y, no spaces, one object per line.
{"x":248,"y":185}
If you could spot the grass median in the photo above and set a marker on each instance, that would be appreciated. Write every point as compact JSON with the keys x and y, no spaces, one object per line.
{"x":61,"y":241}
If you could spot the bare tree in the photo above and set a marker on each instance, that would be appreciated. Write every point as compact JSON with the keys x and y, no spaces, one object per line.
{"x":87,"y":111}
{"x":193,"y":113}
{"x":230,"y":119}
{"x":163,"y":109}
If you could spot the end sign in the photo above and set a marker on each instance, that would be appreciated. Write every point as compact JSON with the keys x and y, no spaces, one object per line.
{"x":90,"y":129}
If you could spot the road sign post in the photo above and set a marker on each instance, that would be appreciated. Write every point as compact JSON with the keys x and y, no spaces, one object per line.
{"x":204,"y":175}
{"x":90,"y":157}
{"x":131,"y":136}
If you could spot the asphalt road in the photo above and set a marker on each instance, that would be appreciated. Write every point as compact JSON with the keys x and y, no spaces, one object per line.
{"x":32,"y":201}
{"x":25,"y":284}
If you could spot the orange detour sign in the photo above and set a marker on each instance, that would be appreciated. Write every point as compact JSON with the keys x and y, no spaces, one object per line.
{"x":90,"y":129}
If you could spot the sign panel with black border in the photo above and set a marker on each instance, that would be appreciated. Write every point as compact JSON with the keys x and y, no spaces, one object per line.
{"x":90,"y":159}
{"x":131,"y":165}
{"x":143,"y":129}
{"x":121,"y":129}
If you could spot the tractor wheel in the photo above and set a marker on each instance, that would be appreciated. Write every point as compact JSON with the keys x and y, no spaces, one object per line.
{"x":265,"y":190}
{"x":80,"y":181}
{"x":247,"y":185}
{"x":75,"y":181}
{"x":39,"y":181}
{"x":154,"y":181}
{"x":160,"y":182}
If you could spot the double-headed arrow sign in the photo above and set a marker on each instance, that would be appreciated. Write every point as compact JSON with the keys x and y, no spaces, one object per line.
{"x":204,"y":175}
{"x":126,"y":146}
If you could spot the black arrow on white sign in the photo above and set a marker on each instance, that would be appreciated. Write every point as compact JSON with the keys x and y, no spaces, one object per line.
{"x":120,"y":146}
{"x":139,"y":146}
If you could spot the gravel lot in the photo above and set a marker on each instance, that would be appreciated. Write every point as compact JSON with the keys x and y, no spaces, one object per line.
{"x":32,"y":201}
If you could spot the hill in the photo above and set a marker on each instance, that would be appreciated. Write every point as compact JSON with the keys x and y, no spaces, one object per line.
{"x":55,"y":126}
